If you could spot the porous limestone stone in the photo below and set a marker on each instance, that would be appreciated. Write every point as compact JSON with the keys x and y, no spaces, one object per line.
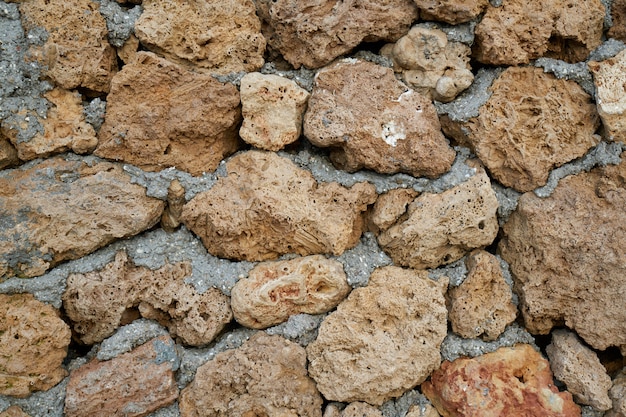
{"x":8,"y":154}
{"x":422,"y":410}
{"x":512,"y":381}
{"x":274,"y":291}
{"x":64,"y":208}
{"x":266,"y":376}
{"x":216,"y":36}
{"x":618,"y":15}
{"x":33,"y":344}
{"x":618,"y":395}
{"x":14,"y":411}
{"x":360,"y":409}
{"x":610,"y":78}
{"x":267,"y":206}
{"x":451,"y":11}
{"x":371,"y":120}
{"x":161,"y":115}
{"x":131,"y":384}
{"x":272,"y":108}
{"x":389,"y":207}
{"x":568,"y":259}
{"x":382,"y":340}
{"x":314,"y":32}
{"x":99,"y":302}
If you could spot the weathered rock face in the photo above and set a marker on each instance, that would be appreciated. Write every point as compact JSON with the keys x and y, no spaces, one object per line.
{"x":389,"y":207}
{"x":266,"y":207}
{"x":373,"y":121}
{"x":567,"y":256}
{"x":98,"y":302}
{"x":618,"y":15}
{"x":618,"y":395}
{"x":160,"y":115}
{"x":517,"y":379}
{"x":216,"y":36}
{"x":33,"y":344}
{"x":359,"y":409}
{"x":274,"y":291}
{"x":383,"y":339}
{"x":134,"y":383}
{"x":609,"y":78}
{"x":265,"y":376}
{"x":8,"y":154}
{"x":314,"y":32}
{"x":13,"y":411}
{"x":451,"y":11}
{"x":61,"y":209}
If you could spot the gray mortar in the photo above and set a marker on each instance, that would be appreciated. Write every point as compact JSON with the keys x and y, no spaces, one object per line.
{"x":607,"y":50}
{"x":120,"y":20}
{"x":589,"y":411}
{"x":233,"y":78}
{"x":400,"y":406}
{"x":300,"y":328}
{"x":456,"y":272}
{"x":94,"y":112}
{"x":40,"y":404}
{"x":128,"y":337}
{"x":370,"y":56}
{"x":508,"y":278}
{"x":303,"y":77}
{"x":463,"y":32}
{"x":360,"y":261}
{"x":608,"y":21}
{"x":578,"y":72}
{"x":496,"y":3}
{"x":169,"y":411}
{"x":507,"y":201}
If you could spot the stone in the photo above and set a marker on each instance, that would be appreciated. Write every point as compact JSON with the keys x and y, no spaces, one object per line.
{"x":566,"y":254}
{"x":272,"y":108}
{"x":128,"y":51}
{"x":531,"y":124}
{"x":520,"y":31}
{"x":512,"y":381}
{"x":610,"y":78}
{"x":618,"y":15}
{"x":132,"y":384}
{"x":161,"y":115}
{"x":451,"y":11}
{"x":170,"y":220}
{"x":14,"y":411}
{"x":266,"y":376}
{"x":76,"y":52}
{"x":8,"y":154}
{"x":618,"y":395}
{"x":274,"y":291}
{"x":382,"y":340}
{"x":389,"y":207}
{"x":579,"y":368}
{"x":63,"y":208}
{"x":266,"y":206}
{"x":423,"y":410}
{"x":370,"y":120}
{"x":33,"y":345}
{"x":211,"y":36}
{"x":360,"y":409}
{"x":99,"y":302}
{"x":315,"y":32}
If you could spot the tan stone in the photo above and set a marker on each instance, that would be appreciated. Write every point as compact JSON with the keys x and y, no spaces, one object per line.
{"x":170,"y":220}
{"x":618,"y":396}
{"x":451,"y":11}
{"x":610,"y":78}
{"x":266,"y":376}
{"x":266,"y":207}
{"x":512,"y":381}
{"x":359,"y":409}
{"x":97,"y":302}
{"x":14,"y":411}
{"x":618,"y":15}
{"x":132,"y":384}
{"x":566,"y":254}
{"x":61,"y":209}
{"x":422,"y":410}
{"x":389,"y":207}
{"x":33,"y":344}
{"x":383,"y":340}
{"x":128,"y":52}
{"x":217,"y":36}
{"x":314,"y":32}
{"x":371,"y":120}
{"x":8,"y":154}
{"x":160,"y":115}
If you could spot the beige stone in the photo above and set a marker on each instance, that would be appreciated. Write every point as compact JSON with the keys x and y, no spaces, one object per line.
{"x":610,"y":78}
{"x":267,"y":206}
{"x":618,"y":16}
{"x":14,"y":411}
{"x":33,"y":344}
{"x":370,"y":120}
{"x":8,"y":154}
{"x":383,"y":340}
{"x":217,"y":36}
{"x":132,"y":384}
{"x":618,"y":396}
{"x":266,"y":376}
{"x":389,"y":207}
{"x":128,"y":52}
{"x":423,"y":410}
{"x":60,"y":209}
{"x":170,"y":220}
{"x":451,"y":11}
{"x":360,"y":409}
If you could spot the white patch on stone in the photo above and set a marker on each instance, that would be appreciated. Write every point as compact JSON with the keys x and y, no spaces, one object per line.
{"x":392,"y":132}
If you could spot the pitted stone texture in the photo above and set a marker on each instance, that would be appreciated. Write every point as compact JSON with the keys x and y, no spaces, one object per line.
{"x":77,"y":52}
{"x":360,"y":409}
{"x":568,"y":258}
{"x":14,"y":411}
{"x":272,"y":107}
{"x":512,"y":381}
{"x":618,"y":15}
{"x":618,"y":395}
{"x":371,"y":120}
{"x":33,"y":344}
{"x":132,"y":384}
{"x":61,"y":209}
{"x":274,"y":291}
{"x":580,"y":369}
{"x":390,"y":207}
{"x":383,"y":339}
{"x":440,"y":228}
{"x":451,"y":11}
{"x":160,"y":115}
{"x":610,"y":80}
{"x":266,"y":376}
{"x":267,"y":206}
{"x":8,"y":154}
{"x":216,"y":36}
{"x":520,"y":31}
{"x":99,"y":302}
{"x":314,"y":32}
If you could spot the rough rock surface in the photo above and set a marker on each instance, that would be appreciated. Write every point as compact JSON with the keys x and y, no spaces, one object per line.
{"x":451,"y":11}
{"x":512,"y":381}
{"x":568,"y":258}
{"x":274,"y":291}
{"x":373,"y":121}
{"x":266,"y":376}
{"x":382,"y":340}
{"x":132,"y":384}
{"x":389,"y":207}
{"x":618,"y":15}
{"x":8,"y":153}
{"x":61,"y":209}
{"x":33,"y":344}
{"x":618,"y":395}
{"x":266,"y":207}
{"x":13,"y":411}
{"x":160,"y":115}
{"x":359,"y":409}
{"x":216,"y":36}
{"x":610,"y":78}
